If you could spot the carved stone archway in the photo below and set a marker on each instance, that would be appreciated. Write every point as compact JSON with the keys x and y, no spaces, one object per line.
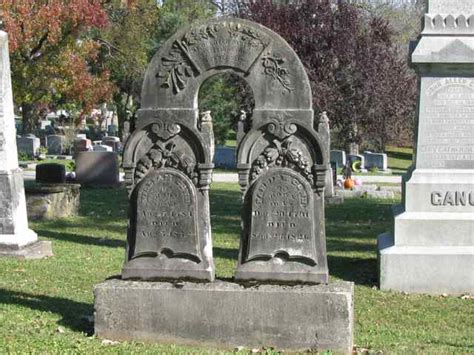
{"x":171,"y":136}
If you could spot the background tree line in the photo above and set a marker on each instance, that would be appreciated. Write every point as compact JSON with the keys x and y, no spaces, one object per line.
{"x":78,"y":54}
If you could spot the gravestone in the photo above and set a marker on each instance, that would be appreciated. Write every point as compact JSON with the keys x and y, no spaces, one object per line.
{"x":357,"y":157}
{"x":50,"y":173}
{"x":282,"y":160}
{"x":28,"y":144}
{"x":113,"y":142}
{"x":97,"y":168}
{"x":16,"y":239}
{"x":224,"y":157}
{"x":339,"y":157}
{"x":102,"y":148}
{"x":82,"y":144}
{"x":375,"y":160}
{"x":431,"y":248}
{"x":56,"y":144}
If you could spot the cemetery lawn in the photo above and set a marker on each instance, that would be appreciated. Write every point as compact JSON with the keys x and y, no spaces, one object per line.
{"x":399,"y":159}
{"x":46,"y":306}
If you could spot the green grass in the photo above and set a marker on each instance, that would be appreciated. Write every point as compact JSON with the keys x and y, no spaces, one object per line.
{"x":46,"y":305}
{"x":399,"y":159}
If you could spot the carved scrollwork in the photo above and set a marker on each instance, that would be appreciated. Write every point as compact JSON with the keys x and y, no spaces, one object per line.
{"x":273,"y":67}
{"x":280,"y":128}
{"x":281,"y":154}
{"x":164,"y":130}
{"x":166,"y":155}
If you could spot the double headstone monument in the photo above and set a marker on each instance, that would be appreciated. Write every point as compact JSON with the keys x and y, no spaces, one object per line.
{"x":431,"y":249}
{"x":16,"y":239}
{"x":282,"y":161}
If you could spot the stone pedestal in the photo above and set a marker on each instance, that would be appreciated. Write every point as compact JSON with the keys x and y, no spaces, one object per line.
{"x":16,"y":239}
{"x":431,"y":248}
{"x":224,"y":314}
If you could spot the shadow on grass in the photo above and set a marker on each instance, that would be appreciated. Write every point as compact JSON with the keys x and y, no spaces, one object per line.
{"x":226,"y":253}
{"x":361,"y":271}
{"x":400,"y":155}
{"x":81,"y":239}
{"x":74,"y":314}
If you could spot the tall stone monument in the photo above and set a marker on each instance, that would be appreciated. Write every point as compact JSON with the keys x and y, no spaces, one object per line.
{"x":431,"y":249}
{"x":282,"y":160}
{"x":16,"y":239}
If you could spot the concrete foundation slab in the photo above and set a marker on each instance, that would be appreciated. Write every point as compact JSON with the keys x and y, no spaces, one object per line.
{"x":36,"y":250}
{"x":421,"y":269}
{"x":225,"y":314}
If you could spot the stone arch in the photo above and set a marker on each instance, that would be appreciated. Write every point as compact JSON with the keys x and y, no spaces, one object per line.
{"x":171,"y":133}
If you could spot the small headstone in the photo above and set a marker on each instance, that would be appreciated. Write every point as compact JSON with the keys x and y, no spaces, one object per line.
{"x":97,"y":168}
{"x":56,"y":144}
{"x":357,"y":157}
{"x":125,"y":132}
{"x":224,"y":157}
{"x":339,"y":157}
{"x":376,"y":160}
{"x":82,"y":145}
{"x":29,"y":145}
{"x":102,"y":148}
{"x":50,"y":173}
{"x":113,"y":142}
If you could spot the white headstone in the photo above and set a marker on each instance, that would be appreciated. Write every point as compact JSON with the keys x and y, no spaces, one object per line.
{"x":14,"y":231}
{"x":432,"y":247}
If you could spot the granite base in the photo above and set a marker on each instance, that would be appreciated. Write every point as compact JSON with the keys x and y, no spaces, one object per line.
{"x":224,"y":314}
{"x":36,"y":250}
{"x":425,"y":269}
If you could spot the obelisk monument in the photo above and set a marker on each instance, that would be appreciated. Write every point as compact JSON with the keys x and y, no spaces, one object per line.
{"x":16,"y":239}
{"x":431,"y":249}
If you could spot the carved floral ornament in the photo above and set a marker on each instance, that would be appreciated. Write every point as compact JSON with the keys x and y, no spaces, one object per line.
{"x":273,"y":67}
{"x":164,"y":153}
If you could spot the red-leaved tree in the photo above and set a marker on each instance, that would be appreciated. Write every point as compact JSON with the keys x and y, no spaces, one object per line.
{"x":53,"y":59}
{"x":356,"y":73}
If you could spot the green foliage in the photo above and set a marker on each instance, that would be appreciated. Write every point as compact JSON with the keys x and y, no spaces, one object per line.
{"x":22,"y":156}
{"x":224,"y":95}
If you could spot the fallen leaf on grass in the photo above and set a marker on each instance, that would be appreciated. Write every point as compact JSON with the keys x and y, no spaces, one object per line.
{"x":109,"y":342}
{"x":60,"y":330}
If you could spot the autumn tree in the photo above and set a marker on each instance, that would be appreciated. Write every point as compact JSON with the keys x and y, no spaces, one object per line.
{"x":54,"y":61}
{"x":355,"y":71}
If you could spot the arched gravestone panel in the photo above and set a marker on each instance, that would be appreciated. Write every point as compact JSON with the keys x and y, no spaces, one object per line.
{"x":171,"y":134}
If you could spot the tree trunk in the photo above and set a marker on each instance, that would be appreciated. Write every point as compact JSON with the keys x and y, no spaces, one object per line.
{"x":27,"y":118}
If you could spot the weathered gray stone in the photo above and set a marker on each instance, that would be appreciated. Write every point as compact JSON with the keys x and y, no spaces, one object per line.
{"x":431,"y":249}
{"x":15,"y":235}
{"x":56,"y":144}
{"x":113,"y":142}
{"x":28,"y":145}
{"x":338,"y":156}
{"x":102,"y":148}
{"x":380,"y":194}
{"x":97,"y":168}
{"x":37,"y":250}
{"x":225,"y":314}
{"x":376,"y":160}
{"x":357,"y":157}
{"x":281,"y":137}
{"x":46,"y":201}
{"x":225,"y":157}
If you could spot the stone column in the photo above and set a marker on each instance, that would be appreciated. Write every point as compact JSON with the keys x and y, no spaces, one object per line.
{"x":431,"y":248}
{"x":16,"y":239}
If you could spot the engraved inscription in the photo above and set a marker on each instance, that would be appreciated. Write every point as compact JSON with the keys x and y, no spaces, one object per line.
{"x":282,"y":221}
{"x":452,"y":198}
{"x":166,"y":216}
{"x":446,"y":138}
